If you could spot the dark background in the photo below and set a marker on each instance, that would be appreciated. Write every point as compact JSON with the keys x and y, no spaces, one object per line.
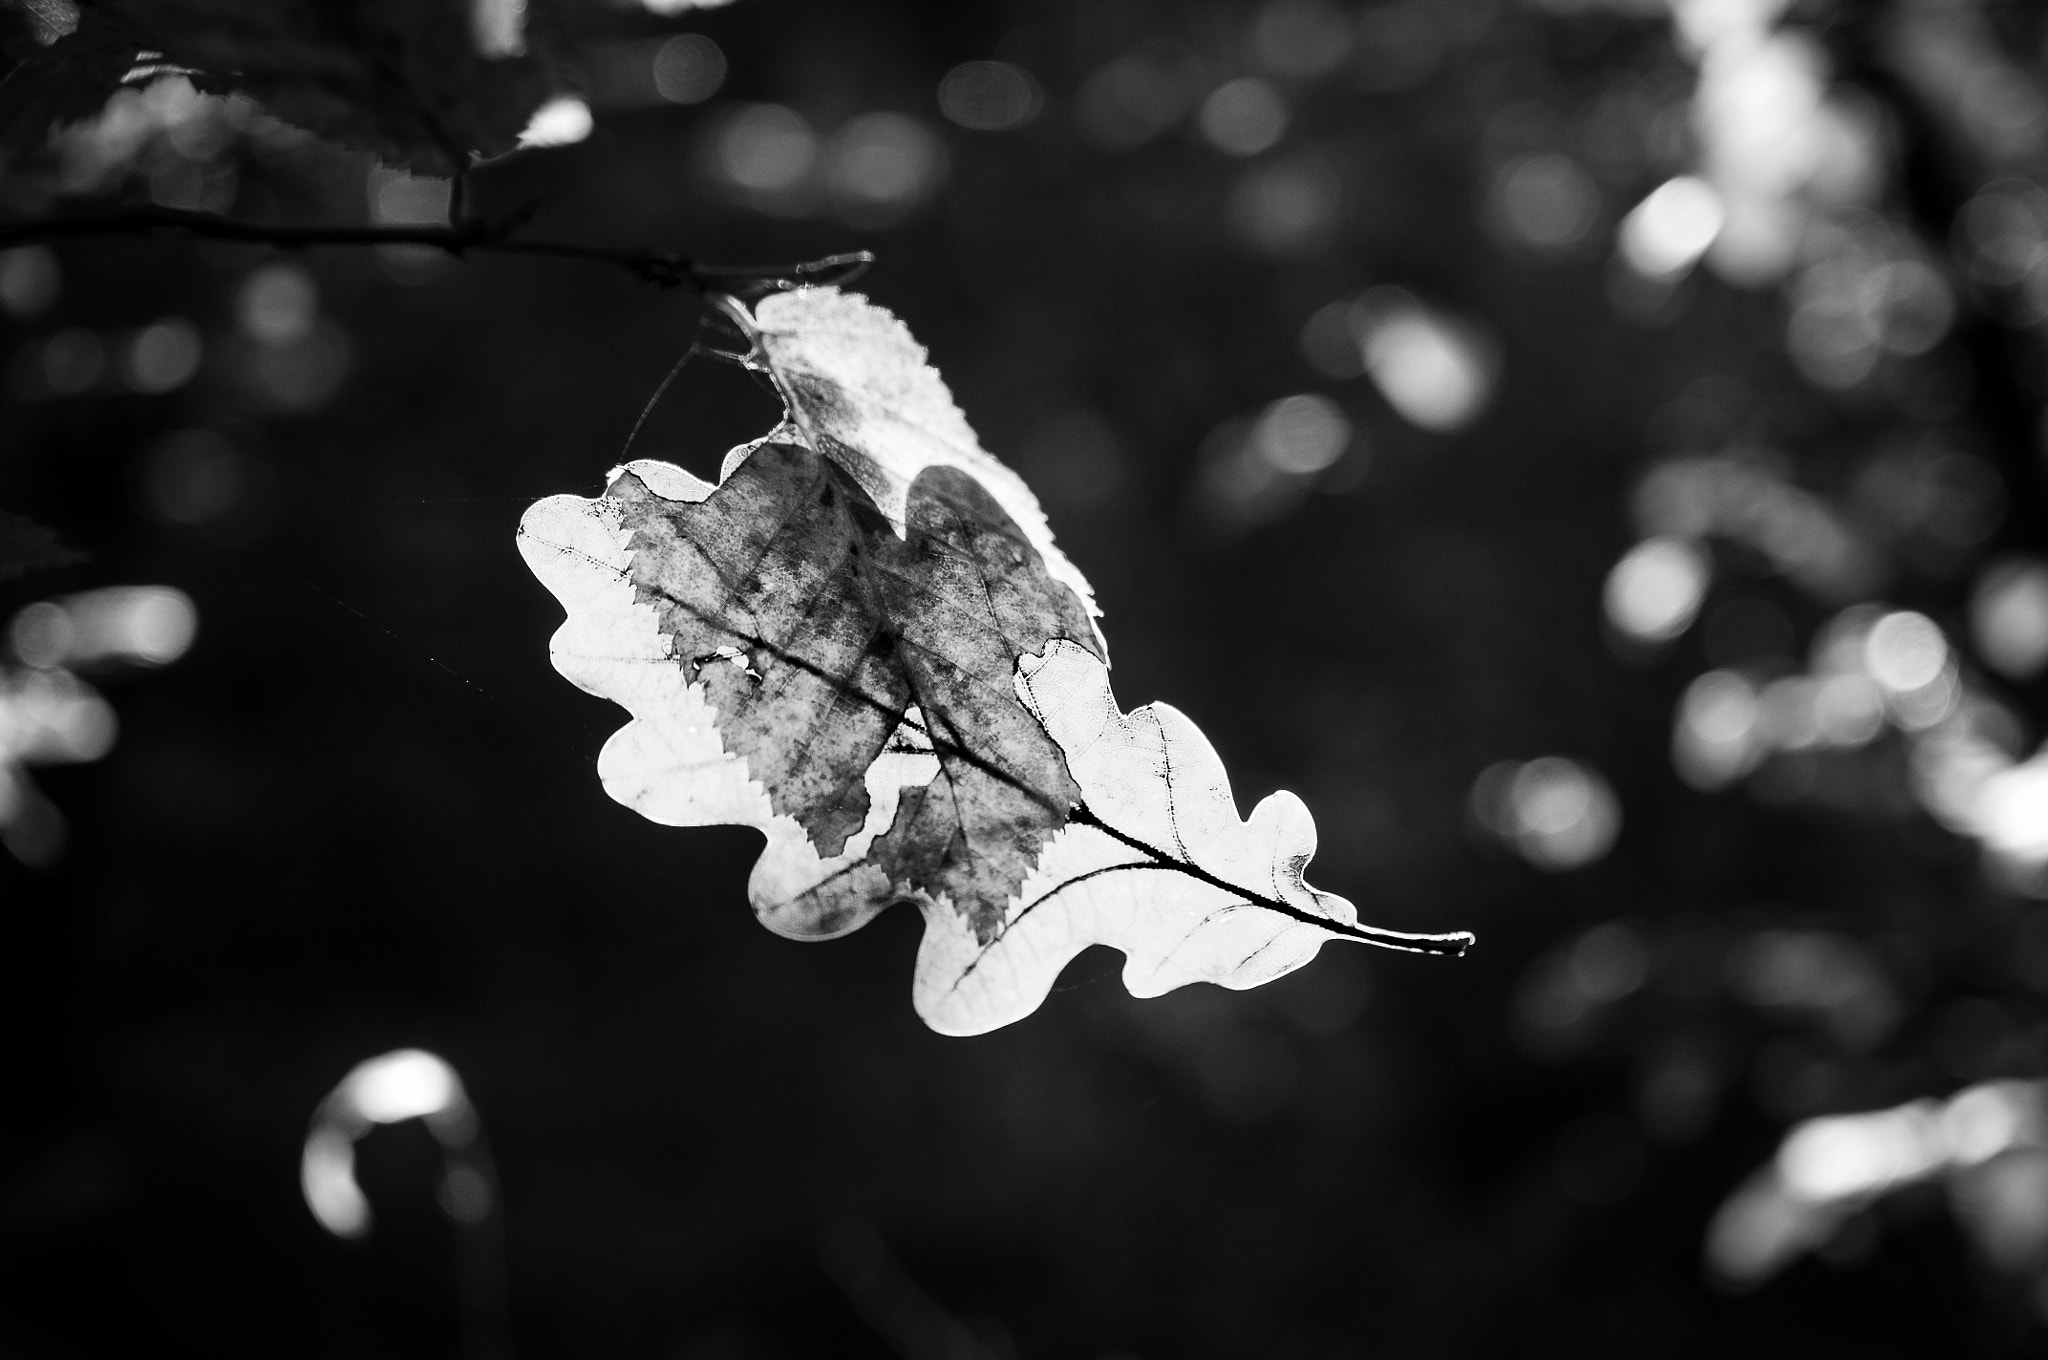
{"x":362,"y":812}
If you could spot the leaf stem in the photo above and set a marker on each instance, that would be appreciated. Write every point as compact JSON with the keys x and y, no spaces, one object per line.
{"x":1453,"y":943}
{"x":470,"y":236}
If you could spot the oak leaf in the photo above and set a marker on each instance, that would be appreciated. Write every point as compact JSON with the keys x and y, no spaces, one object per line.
{"x":863,"y":642}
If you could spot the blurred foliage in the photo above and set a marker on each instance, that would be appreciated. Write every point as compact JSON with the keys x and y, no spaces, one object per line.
{"x":419,"y":83}
{"x":27,"y":546}
{"x":1623,"y":420}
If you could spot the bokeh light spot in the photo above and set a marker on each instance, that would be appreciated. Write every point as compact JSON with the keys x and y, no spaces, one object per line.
{"x":1546,"y":202}
{"x":688,"y":69}
{"x":139,"y":625}
{"x":1288,"y":206}
{"x":51,"y":717}
{"x":42,"y":634}
{"x":408,"y":1084}
{"x":1329,"y":340}
{"x":1302,"y":435}
{"x":1243,"y":117}
{"x":766,"y":148}
{"x":2009,"y":617}
{"x":398,"y":198}
{"x":1654,"y":592}
{"x":29,"y":281}
{"x":498,"y":28}
{"x":989,"y":96}
{"x":1665,"y":234}
{"x":1555,"y":812}
{"x":1434,"y":372}
{"x":1905,"y":651}
{"x":72,"y":361}
{"x":1301,"y":39}
{"x":1716,"y":738}
{"x":278,"y":303}
{"x":882,"y":166}
{"x":1131,"y":100}
{"x":164,"y":356}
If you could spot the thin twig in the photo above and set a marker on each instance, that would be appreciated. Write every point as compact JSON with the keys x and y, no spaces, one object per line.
{"x":664,"y":268}
{"x":662,"y":390}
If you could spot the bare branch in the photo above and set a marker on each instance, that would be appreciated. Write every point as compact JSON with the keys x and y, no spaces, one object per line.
{"x":664,"y":268}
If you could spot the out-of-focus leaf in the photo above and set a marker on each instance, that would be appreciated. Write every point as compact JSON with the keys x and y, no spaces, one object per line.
{"x":27,"y":546}
{"x":59,"y":76}
{"x":420,"y":83}
{"x":863,"y":642}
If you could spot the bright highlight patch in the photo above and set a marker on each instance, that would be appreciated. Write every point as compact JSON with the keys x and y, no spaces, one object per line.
{"x":1434,"y":372}
{"x":1655,"y":591}
{"x":1556,"y":813}
{"x":408,"y":1083}
{"x":561,"y":121}
{"x":1668,"y":232}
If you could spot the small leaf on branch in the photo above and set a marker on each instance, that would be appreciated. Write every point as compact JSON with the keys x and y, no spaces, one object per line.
{"x":863,"y":642}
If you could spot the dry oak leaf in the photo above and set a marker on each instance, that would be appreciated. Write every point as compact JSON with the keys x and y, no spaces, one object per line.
{"x":863,"y":642}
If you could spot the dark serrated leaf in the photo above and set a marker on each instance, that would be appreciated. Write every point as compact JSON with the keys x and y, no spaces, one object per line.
{"x":816,"y":631}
